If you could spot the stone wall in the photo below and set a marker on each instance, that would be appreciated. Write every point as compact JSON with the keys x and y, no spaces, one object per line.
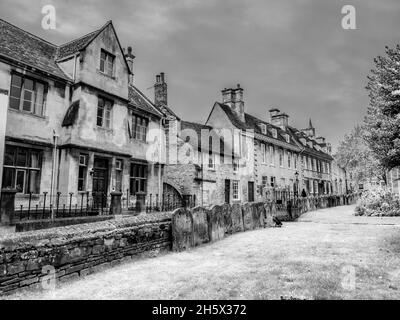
{"x":39,"y":259}
{"x":201,"y":225}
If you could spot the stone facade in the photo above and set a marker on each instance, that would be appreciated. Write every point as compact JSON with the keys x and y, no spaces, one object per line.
{"x":81,"y":124}
{"x":270,"y":154}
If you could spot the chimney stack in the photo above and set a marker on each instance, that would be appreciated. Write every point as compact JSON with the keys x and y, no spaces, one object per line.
{"x":160,"y":90}
{"x":129,"y":58}
{"x":234,"y":99}
{"x":279,"y":119}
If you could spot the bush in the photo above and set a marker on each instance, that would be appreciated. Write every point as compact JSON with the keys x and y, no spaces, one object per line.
{"x":378,"y":202}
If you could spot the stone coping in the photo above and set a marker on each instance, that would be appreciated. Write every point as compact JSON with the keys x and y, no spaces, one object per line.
{"x":60,"y":235}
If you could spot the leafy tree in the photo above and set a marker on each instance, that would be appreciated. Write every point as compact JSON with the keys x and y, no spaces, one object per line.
{"x":355,"y":156}
{"x":382,"y":122}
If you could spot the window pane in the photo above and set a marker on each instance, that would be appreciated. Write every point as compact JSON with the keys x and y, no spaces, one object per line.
{"x":15,"y":95}
{"x":21,"y":158}
{"x":34,"y":182}
{"x":81,"y":178}
{"x":14,"y":103}
{"x":28,"y":84}
{"x":9,"y":156}
{"x":20,"y":181}
{"x":34,"y":163}
{"x":16,"y":80}
{"x":100,"y":111}
{"x":39,"y":99}
{"x":102,"y":61}
{"x":27,"y":100}
{"x":8,"y":178}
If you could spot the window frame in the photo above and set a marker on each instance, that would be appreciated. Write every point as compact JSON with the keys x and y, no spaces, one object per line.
{"x":34,"y":95}
{"x":235,"y":183}
{"x":84,"y":166}
{"x":119,"y":174}
{"x":105,"y":108}
{"x":27,"y":168}
{"x":139,"y":131}
{"x":141,"y":178}
{"x":108,"y":55}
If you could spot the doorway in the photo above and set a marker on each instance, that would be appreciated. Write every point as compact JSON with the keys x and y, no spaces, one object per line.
{"x":251,"y":191}
{"x":227,"y":190}
{"x":100,"y":182}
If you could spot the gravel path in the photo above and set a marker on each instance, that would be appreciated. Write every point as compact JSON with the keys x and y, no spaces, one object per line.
{"x":327,"y":254}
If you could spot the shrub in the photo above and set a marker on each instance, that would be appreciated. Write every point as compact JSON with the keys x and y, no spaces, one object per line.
{"x":378,"y":202}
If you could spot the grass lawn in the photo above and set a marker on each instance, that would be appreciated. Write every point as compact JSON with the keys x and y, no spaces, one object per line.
{"x":313,"y":258}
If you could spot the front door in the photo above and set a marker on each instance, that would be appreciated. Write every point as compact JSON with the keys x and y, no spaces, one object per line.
{"x":100,"y":182}
{"x":227,"y":190}
{"x":251,"y":191}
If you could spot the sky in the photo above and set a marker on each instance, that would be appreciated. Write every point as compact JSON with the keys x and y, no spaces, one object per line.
{"x":290,"y":55}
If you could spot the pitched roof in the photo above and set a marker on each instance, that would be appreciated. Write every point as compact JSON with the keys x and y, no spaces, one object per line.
{"x":253,"y":122}
{"x":165,"y":110}
{"x":76,"y":45}
{"x":298,"y":134}
{"x":23,"y":47}
{"x":233,"y":118}
{"x":139,"y":100}
{"x":204,"y":145}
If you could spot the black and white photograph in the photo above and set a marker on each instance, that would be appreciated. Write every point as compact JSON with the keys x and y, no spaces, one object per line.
{"x":174,"y":151}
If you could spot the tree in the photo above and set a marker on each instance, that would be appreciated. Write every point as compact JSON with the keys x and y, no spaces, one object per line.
{"x":355,"y":156}
{"x":382,"y":122}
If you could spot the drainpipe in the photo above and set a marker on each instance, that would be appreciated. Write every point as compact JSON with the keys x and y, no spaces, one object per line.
{"x":53,"y":175}
{"x":159,"y":161}
{"x":3,"y":123}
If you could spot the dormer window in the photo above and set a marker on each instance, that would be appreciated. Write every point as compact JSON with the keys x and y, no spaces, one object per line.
{"x":107,"y":63}
{"x":287,"y":138}
{"x":274,"y":133}
{"x":263,"y":127}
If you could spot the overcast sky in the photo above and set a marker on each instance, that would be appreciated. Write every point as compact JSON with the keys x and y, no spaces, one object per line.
{"x":293,"y":55}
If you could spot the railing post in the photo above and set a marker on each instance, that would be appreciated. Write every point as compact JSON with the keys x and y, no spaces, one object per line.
{"x":44,"y":203}
{"x":70,"y":203}
{"x":58,"y":202}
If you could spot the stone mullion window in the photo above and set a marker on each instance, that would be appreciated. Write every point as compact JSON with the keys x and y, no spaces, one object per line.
{"x":139,"y":127}
{"x":235,"y":189}
{"x":27,"y":94}
{"x":82,"y":172}
{"x":138,"y":179}
{"x":104,"y":108}
{"x":107,"y":63}
{"x":22,"y":169}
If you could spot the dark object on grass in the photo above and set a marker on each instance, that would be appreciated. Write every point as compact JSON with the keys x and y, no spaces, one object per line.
{"x":277,"y":222}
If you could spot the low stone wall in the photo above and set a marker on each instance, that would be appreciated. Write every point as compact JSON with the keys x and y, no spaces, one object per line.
{"x":42,"y":259}
{"x":59,"y":222}
{"x":200,"y":225}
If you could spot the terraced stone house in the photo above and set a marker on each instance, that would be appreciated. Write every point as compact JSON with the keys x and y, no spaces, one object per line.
{"x":75,"y":122}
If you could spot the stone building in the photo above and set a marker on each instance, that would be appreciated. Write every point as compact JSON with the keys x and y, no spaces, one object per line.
{"x":251,"y":155}
{"x":281,"y":156}
{"x":75,"y":121}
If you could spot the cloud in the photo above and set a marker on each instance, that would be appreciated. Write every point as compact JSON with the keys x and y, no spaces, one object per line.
{"x":293,"y":55}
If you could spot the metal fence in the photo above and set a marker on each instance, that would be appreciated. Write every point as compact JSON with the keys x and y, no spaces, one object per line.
{"x":155,"y":202}
{"x":82,"y":204}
